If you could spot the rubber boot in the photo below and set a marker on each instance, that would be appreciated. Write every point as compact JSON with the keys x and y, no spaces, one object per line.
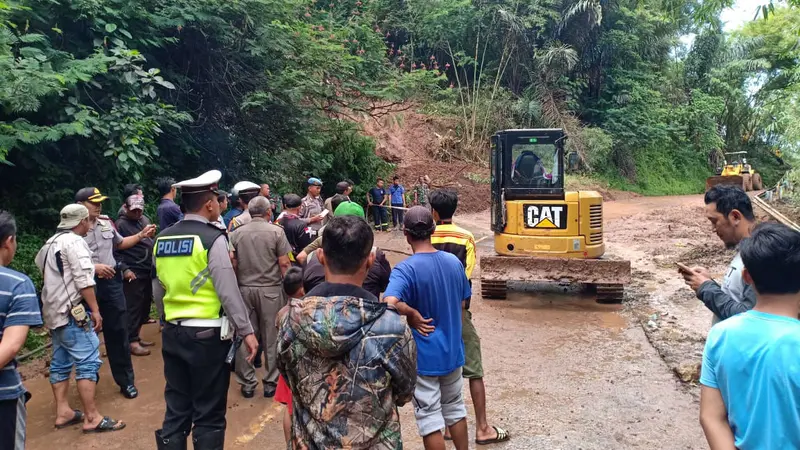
{"x":213,"y":440}
{"x":176,"y":442}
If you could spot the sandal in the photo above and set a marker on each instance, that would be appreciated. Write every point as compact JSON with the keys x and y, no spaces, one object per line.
{"x":106,"y":425}
{"x":502,"y":436}
{"x":76,"y":419}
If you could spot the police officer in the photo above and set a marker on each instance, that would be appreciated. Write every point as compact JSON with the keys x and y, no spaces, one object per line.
{"x":246,"y":191}
{"x":312,"y":205}
{"x":194,"y":285}
{"x":102,"y":239}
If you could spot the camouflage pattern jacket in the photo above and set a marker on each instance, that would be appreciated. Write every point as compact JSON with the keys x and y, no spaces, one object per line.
{"x":350,"y":361}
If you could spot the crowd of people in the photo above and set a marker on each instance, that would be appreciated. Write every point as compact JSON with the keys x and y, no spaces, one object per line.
{"x":300,"y":284}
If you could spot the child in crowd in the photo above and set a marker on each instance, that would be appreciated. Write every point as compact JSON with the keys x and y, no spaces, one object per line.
{"x":750,"y":394}
{"x":293,"y":286}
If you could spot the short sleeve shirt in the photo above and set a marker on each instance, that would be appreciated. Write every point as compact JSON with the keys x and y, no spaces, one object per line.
{"x":257,"y":246}
{"x":102,"y":239}
{"x":752,"y":359}
{"x":377,"y":194}
{"x":398,"y":192}
{"x":435,"y":285}
{"x":19,"y":306}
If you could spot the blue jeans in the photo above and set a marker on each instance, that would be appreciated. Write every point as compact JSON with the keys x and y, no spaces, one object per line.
{"x":74,"y":346}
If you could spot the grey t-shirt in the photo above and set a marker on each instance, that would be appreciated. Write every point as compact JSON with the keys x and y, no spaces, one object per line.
{"x":102,"y":239}
{"x":733,"y":282}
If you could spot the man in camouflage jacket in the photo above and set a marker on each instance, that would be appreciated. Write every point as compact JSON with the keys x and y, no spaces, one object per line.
{"x":349,"y":359}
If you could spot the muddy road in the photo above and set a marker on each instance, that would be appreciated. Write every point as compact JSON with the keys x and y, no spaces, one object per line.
{"x":562,"y":372}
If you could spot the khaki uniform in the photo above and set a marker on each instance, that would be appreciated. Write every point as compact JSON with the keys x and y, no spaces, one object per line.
{"x":311,"y":207}
{"x":257,"y":246}
{"x":102,"y":239}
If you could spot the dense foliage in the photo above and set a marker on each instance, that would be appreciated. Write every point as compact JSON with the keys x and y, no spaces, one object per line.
{"x":103,"y":92}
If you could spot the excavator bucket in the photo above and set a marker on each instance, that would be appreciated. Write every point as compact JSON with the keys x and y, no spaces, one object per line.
{"x":606,"y":275}
{"x":733,"y":180}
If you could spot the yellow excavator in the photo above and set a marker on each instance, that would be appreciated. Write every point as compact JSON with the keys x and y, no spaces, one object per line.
{"x":737,"y":173}
{"x":542,"y":233}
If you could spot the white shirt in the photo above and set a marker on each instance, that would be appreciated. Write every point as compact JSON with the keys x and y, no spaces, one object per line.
{"x":733,"y":282}
{"x":63,"y":291}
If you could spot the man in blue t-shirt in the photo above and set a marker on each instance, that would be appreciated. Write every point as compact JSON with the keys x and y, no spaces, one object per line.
{"x":376,"y":200}
{"x":433,"y":283}
{"x":398,"y":197}
{"x":19,"y":310}
{"x":750,"y":396}
{"x":168,"y":212}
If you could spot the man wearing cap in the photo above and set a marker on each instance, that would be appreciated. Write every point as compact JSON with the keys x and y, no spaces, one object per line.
{"x":136,"y":264}
{"x":261,"y":258}
{"x":102,"y":240}
{"x":246,"y":191}
{"x":72,"y":315}
{"x":194,"y":284}
{"x":378,"y":275}
{"x":312,"y":205}
{"x":297,"y":230}
{"x":433,"y":282}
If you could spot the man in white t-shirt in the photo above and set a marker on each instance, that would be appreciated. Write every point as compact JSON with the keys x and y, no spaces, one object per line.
{"x":730,"y":212}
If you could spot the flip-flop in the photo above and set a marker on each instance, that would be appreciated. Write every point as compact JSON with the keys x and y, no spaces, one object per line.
{"x":76,"y":419}
{"x":106,"y":425}
{"x":502,"y":436}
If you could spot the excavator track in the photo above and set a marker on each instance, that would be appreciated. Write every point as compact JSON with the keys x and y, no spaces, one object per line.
{"x":496,"y":289}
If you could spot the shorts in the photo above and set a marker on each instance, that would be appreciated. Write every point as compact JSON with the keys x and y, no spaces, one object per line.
{"x":74,"y":346}
{"x":13,"y":418}
{"x":283,"y":394}
{"x":473,"y":362}
{"x":438,"y":402}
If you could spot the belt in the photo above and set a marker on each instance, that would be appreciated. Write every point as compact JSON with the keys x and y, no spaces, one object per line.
{"x":200,"y":323}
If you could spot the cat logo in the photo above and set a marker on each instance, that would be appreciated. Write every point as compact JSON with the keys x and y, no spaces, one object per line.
{"x":546,"y":216}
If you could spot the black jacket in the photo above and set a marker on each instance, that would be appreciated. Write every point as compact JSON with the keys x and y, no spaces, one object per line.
{"x":375,"y":283}
{"x":138,"y":258}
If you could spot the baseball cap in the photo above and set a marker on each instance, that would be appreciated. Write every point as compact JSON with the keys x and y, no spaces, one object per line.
{"x":135,"y":202}
{"x":314,"y":182}
{"x":349,"y":209}
{"x":89,"y":194}
{"x":71,"y":216}
{"x":418,"y":218}
{"x":292,"y":201}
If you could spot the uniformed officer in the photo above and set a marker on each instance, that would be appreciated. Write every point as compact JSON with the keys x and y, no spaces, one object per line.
{"x":194,"y":285}
{"x":312,"y":206}
{"x":246,"y":191}
{"x":102,"y":239}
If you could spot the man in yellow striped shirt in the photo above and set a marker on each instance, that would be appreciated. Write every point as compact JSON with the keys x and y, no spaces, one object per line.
{"x":451,"y":238}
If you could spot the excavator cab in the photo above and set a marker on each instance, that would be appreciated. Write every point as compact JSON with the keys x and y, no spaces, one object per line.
{"x":541,"y":231}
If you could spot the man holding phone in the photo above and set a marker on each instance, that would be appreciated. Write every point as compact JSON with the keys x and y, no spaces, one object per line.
{"x":730,"y":212}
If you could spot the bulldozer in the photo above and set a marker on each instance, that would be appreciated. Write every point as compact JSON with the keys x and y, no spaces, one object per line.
{"x":736,"y":173}
{"x":543,"y":233}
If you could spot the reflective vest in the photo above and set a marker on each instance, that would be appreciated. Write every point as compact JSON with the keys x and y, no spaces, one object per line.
{"x":181,"y":260}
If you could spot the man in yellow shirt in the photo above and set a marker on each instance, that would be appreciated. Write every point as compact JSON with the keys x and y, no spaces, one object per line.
{"x":451,"y":238}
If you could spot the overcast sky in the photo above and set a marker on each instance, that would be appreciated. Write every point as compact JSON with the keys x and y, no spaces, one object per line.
{"x":743,"y":11}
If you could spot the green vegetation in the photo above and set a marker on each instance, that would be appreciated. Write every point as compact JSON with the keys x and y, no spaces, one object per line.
{"x":103,"y":92}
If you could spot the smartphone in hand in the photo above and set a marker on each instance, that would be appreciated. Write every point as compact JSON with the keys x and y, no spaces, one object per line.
{"x":683,"y":268}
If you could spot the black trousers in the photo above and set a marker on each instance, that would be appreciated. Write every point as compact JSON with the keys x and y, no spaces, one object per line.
{"x":111,"y":300}
{"x":13,"y":423}
{"x":197,"y":380}
{"x":381,"y":218}
{"x":138,"y":295}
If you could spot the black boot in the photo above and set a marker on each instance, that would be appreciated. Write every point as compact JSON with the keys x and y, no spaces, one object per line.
{"x":213,"y":440}
{"x":176,"y":442}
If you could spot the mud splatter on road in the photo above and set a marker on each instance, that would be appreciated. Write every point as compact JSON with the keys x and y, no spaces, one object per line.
{"x":562,"y":372}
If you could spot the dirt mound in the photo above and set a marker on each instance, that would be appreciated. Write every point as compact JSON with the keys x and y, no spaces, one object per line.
{"x":419,"y":145}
